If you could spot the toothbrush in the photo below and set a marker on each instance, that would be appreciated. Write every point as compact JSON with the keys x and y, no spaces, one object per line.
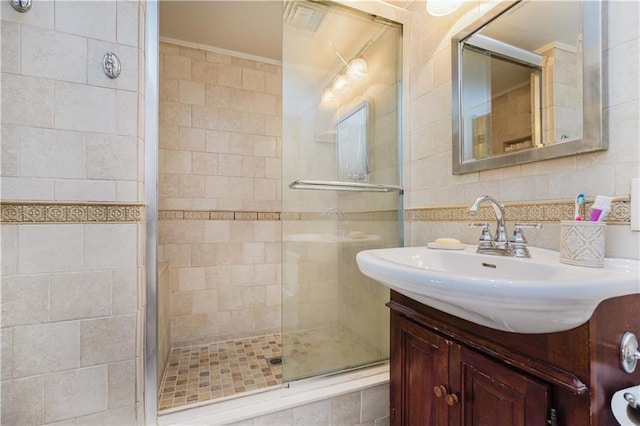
{"x":579,"y":200}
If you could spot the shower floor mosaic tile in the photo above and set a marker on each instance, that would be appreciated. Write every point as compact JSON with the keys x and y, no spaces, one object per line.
{"x":202,"y":373}
{"x":199,"y":374}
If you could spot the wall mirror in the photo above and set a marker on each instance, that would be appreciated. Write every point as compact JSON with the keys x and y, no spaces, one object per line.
{"x":526,"y":84}
{"x":351,"y":144}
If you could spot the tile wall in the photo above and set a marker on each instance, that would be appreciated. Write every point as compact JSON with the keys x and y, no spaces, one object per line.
{"x":429,"y":146}
{"x":368,"y":407}
{"x":70,"y":284}
{"x":219,"y":185}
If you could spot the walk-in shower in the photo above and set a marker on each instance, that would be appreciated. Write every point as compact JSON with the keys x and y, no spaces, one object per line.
{"x":272,"y":175}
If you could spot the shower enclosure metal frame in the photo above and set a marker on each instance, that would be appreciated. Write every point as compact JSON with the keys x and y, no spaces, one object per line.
{"x":147,"y":382}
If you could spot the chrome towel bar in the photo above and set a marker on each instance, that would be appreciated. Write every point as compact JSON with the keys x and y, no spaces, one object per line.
{"x":330,"y":185}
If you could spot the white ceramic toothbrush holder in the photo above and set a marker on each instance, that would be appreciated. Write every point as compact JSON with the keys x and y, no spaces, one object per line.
{"x":582,"y":243}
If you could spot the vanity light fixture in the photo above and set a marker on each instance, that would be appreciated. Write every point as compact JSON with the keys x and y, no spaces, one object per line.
{"x":442,"y":7}
{"x":353,"y":73}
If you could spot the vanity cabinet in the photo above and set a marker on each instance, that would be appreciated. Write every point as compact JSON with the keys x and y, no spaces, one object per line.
{"x":448,"y":371}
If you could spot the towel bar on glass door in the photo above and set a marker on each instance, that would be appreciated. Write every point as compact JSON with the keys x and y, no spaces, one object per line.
{"x":329,"y":185}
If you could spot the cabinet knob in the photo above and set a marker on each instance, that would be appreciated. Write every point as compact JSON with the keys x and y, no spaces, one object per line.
{"x":451,"y":399}
{"x":439,"y":391}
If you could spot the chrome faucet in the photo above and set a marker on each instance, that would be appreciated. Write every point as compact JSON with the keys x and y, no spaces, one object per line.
{"x":500,"y":245}
{"x":500,"y":240}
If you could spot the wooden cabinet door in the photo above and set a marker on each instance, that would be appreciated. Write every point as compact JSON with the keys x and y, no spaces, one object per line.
{"x":492,"y":394}
{"x":419,"y":363}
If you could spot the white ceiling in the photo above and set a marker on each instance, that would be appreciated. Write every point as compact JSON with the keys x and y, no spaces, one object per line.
{"x":249,"y":27}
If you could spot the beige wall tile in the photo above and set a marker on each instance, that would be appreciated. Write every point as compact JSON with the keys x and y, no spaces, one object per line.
{"x":241,"y":275}
{"x":216,"y":231}
{"x":125,"y":291}
{"x":121,"y":384}
{"x":6,"y":353}
{"x":75,"y":393}
{"x":128,"y":191}
{"x":110,"y":246}
{"x":126,"y":113}
{"x":230,"y":76}
{"x":205,"y":163}
{"x":218,"y":141}
{"x":81,"y":295}
{"x":9,"y":151}
{"x":190,"y":92}
{"x":281,"y":418}
{"x":242,"y":143}
{"x":375,"y":403}
{"x":205,"y":117}
{"x":345,"y":409}
{"x":312,"y":414}
{"x":127,"y":22}
{"x":92,"y":19}
{"x":85,"y":108}
{"x":230,"y":120}
{"x":10,"y":33}
{"x":51,"y":153}
{"x":9,"y":241}
{"x":204,"y":301}
{"x":623,"y":73}
{"x":50,"y":248}
{"x":191,"y":139}
{"x":24,"y":93}
{"x":124,"y":416}
{"x":242,"y":100}
{"x":191,"y":279}
{"x":25,"y":300}
{"x":253,"y":80}
{"x":111,"y":157}
{"x":54,"y":55}
{"x":229,"y":165}
{"x":98,"y":337}
{"x":181,"y":303}
{"x":45,"y":348}
{"x":84,"y":190}
{"x":204,"y":71}
{"x":177,"y":67}
{"x":174,"y":161}
{"x":22,"y":402}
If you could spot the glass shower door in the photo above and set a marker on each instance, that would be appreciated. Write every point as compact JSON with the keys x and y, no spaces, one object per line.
{"x":341,"y":138}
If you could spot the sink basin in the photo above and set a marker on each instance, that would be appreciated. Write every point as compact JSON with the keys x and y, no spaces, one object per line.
{"x":535,"y":295}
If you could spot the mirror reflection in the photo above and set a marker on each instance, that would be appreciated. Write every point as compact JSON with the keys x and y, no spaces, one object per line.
{"x":351,"y":144}
{"x":520,"y":90}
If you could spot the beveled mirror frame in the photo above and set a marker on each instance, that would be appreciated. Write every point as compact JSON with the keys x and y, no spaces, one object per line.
{"x":593,"y":137}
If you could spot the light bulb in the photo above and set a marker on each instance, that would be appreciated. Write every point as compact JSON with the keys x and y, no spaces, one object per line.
{"x":328,"y":99}
{"x":357,"y":70}
{"x":341,"y":84}
{"x":442,"y":7}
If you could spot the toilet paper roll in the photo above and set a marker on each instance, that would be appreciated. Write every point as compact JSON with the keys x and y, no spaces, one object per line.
{"x":624,"y":414}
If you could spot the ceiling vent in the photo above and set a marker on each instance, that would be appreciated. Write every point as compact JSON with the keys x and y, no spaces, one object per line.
{"x":306,"y":16}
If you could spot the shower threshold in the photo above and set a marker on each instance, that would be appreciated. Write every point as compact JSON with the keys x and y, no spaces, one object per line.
{"x":289,"y":395}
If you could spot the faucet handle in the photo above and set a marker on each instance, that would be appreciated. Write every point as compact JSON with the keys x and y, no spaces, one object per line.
{"x":485,"y":240}
{"x":518,"y":237}
{"x":528,"y":225}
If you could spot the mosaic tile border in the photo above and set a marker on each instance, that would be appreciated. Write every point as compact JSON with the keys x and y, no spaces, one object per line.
{"x":243,"y":215}
{"x":217,"y":215}
{"x":67,"y":212}
{"x":542,"y":211}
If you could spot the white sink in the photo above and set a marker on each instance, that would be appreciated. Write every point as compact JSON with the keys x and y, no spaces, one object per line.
{"x":535,"y":295}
